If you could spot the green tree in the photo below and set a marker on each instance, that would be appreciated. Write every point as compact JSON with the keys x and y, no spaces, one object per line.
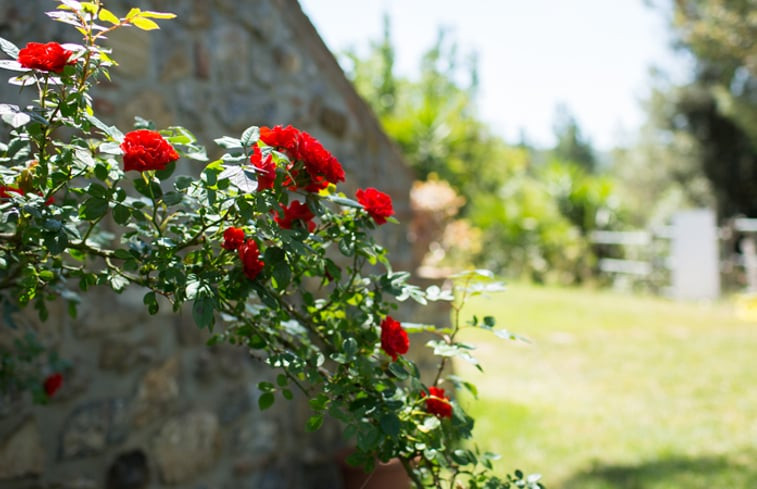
{"x":719,"y":106}
{"x":659,"y":171}
{"x":534,"y":217}
{"x":571,"y":144}
{"x":433,"y":118}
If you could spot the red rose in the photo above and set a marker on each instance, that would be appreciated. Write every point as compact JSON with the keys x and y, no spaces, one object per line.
{"x":297,"y":211}
{"x":147,"y":150}
{"x":377,"y":204}
{"x":52,"y":384}
{"x":437,"y":403}
{"x":266,"y":169}
{"x":284,"y":139}
{"x":394,"y":340}
{"x":233,"y":238}
{"x":46,"y":57}
{"x":304,"y":152}
{"x":249,"y":254}
{"x":5,"y":189}
{"x":322,"y":167}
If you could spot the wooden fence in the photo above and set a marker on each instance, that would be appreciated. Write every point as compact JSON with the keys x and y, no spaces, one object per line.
{"x":686,"y":259}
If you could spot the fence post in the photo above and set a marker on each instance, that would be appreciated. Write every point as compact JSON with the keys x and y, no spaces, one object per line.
{"x":749,"y":251}
{"x":695,"y":269}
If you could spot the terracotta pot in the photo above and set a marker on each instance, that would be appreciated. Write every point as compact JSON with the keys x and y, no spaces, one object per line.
{"x":389,"y":475}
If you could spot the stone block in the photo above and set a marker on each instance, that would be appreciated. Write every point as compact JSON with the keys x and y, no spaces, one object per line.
{"x":101,"y":314}
{"x":334,"y":121}
{"x":22,"y":452}
{"x":132,"y":49}
{"x":229,"y":54}
{"x":121,"y":354}
{"x":287,"y":59}
{"x":186,"y":446}
{"x":92,"y":427}
{"x":259,"y":437}
{"x":231,"y":360}
{"x":202,"y":60}
{"x":234,"y":403}
{"x":187,"y":332}
{"x":157,"y":391}
{"x":176,"y":66}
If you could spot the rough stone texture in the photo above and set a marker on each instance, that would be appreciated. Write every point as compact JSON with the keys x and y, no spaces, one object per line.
{"x":101,"y":314}
{"x":121,"y":354}
{"x":144,"y":402}
{"x":136,"y":57}
{"x":186,"y":446}
{"x":92,"y":426}
{"x":21,"y":452}
{"x":157,"y":391}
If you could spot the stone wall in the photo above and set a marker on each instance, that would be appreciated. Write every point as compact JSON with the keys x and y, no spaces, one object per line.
{"x":145,"y":404}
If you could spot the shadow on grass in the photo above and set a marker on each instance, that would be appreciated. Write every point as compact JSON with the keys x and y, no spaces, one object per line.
{"x":735,"y":470}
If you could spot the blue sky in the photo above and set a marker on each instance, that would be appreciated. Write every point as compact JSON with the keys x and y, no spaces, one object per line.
{"x":592,"y":55}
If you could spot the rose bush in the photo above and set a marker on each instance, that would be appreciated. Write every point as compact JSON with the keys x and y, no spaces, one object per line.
{"x":261,"y":245}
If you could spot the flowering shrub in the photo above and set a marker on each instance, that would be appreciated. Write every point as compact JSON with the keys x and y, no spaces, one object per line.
{"x":262,"y":245}
{"x":437,"y":403}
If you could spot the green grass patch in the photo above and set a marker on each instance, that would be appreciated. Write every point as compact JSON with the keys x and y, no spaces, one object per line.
{"x":616,"y":391}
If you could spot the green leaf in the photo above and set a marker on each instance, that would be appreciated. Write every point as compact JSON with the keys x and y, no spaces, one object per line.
{"x":228,"y":142}
{"x":460,"y":457}
{"x":56,"y":243}
{"x":9,"y":48}
{"x":166,"y":172}
{"x":368,"y":438}
{"x":429,"y":424}
{"x":143,"y":23}
{"x":390,"y":424}
{"x":133,"y":12}
{"x":151,"y":301}
{"x":281,"y":380}
{"x":350,"y":348}
{"x":121,"y":214}
{"x":344,"y":201}
{"x":107,"y":16}
{"x":183,"y":182}
{"x":250,"y":136}
{"x":266,"y":400}
{"x":275,"y":259}
{"x":398,"y":370}
{"x":314,"y":422}
{"x":101,"y":171}
{"x":287,"y":394}
{"x":173,"y":198}
{"x":202,"y":311}
{"x":15,"y":119}
{"x":157,"y":15}
{"x":347,"y":246}
{"x":319,"y":402}
{"x":111,"y":131}
{"x":93,"y":208}
{"x":117,"y":282}
{"x":123,"y":254}
{"x":151,"y":190}
{"x":97,"y":190}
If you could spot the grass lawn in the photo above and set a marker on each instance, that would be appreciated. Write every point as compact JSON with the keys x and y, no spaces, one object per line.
{"x":616,"y":391}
